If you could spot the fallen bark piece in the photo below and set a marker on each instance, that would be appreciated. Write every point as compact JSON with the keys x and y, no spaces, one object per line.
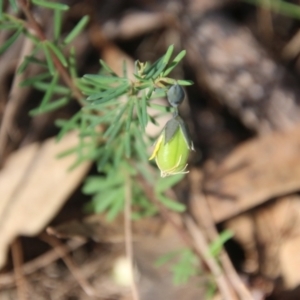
{"x":232,"y":66}
{"x":255,"y":172}
{"x":34,"y":184}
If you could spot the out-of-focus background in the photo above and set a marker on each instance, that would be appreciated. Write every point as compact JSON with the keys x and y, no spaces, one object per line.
{"x":243,"y":112}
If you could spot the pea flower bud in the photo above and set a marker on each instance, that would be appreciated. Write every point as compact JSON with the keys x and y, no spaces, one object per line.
{"x":175,"y":95}
{"x":172,"y":148}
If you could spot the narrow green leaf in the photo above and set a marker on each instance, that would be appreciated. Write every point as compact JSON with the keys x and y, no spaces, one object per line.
{"x":97,"y":184}
{"x":95,"y":78}
{"x":50,"y":106}
{"x":166,"y":258}
{"x":49,"y":91}
{"x":1,"y":10}
{"x":51,"y":5}
{"x":216,"y":246}
{"x":14,"y":5}
{"x":159,"y":93}
{"x":171,"y":204}
{"x":103,"y":200}
{"x":31,"y":59}
{"x":175,"y":62}
{"x":107,"y":68}
{"x":168,"y":80}
{"x":185,"y":268}
{"x":168,"y":54}
{"x":76,"y":30}
{"x":141,"y":79}
{"x":150,"y":92}
{"x":32,"y":80}
{"x":139,"y":146}
{"x":57,"y":23}
{"x":91,"y":185}
{"x":117,"y":207}
{"x":119,"y":154}
{"x":9,"y":26}
{"x":115,"y":130}
{"x":72,"y":63}
{"x":185,"y":82}
{"x":157,"y":68}
{"x":48,"y":59}
{"x":104,"y":159}
{"x":110,"y":94}
{"x":11,"y":40}
{"x":58,"y":89}
{"x":144,"y":109}
{"x":67,"y":152}
{"x":139,"y":114}
{"x":57,"y":53}
{"x":283,"y":7}
{"x":107,"y":96}
{"x":116,"y":125}
{"x":165,"y":109}
{"x":165,"y":183}
{"x":211,"y":289}
{"x":104,"y":106}
{"x":129,"y":117}
{"x":31,"y":36}
{"x":127,"y":144}
{"x":153,"y":121}
{"x":68,"y":125}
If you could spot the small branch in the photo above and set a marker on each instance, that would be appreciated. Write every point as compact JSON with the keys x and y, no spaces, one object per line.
{"x":33,"y":24}
{"x":165,"y":213}
{"x":202,"y":246}
{"x":202,"y":214}
{"x":128,"y":237}
{"x":15,"y":100}
{"x":17,"y":256}
{"x":61,"y":251}
{"x":197,"y":243}
{"x":8,"y":279}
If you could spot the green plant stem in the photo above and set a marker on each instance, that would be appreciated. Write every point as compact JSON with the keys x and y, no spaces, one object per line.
{"x":33,"y":24}
{"x":128,"y":235}
{"x":194,"y":240}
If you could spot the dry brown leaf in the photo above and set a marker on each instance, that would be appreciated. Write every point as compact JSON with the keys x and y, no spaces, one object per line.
{"x":270,"y":238}
{"x":256,"y":171}
{"x":34,"y":184}
{"x":290,"y":262}
{"x":135,"y":24}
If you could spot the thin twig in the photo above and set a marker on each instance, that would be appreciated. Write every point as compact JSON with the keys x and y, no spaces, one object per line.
{"x":165,"y":213}
{"x":203,"y":247}
{"x":17,"y":256}
{"x":128,"y":237}
{"x":197,"y":243}
{"x":8,"y":279}
{"x":15,"y":97}
{"x":34,"y":25}
{"x":58,"y":246}
{"x":202,"y":213}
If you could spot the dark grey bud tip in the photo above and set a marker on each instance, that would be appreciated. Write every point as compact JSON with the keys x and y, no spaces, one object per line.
{"x":175,"y":95}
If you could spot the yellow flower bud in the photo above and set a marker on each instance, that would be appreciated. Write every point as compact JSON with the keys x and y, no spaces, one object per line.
{"x":172,"y":148}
